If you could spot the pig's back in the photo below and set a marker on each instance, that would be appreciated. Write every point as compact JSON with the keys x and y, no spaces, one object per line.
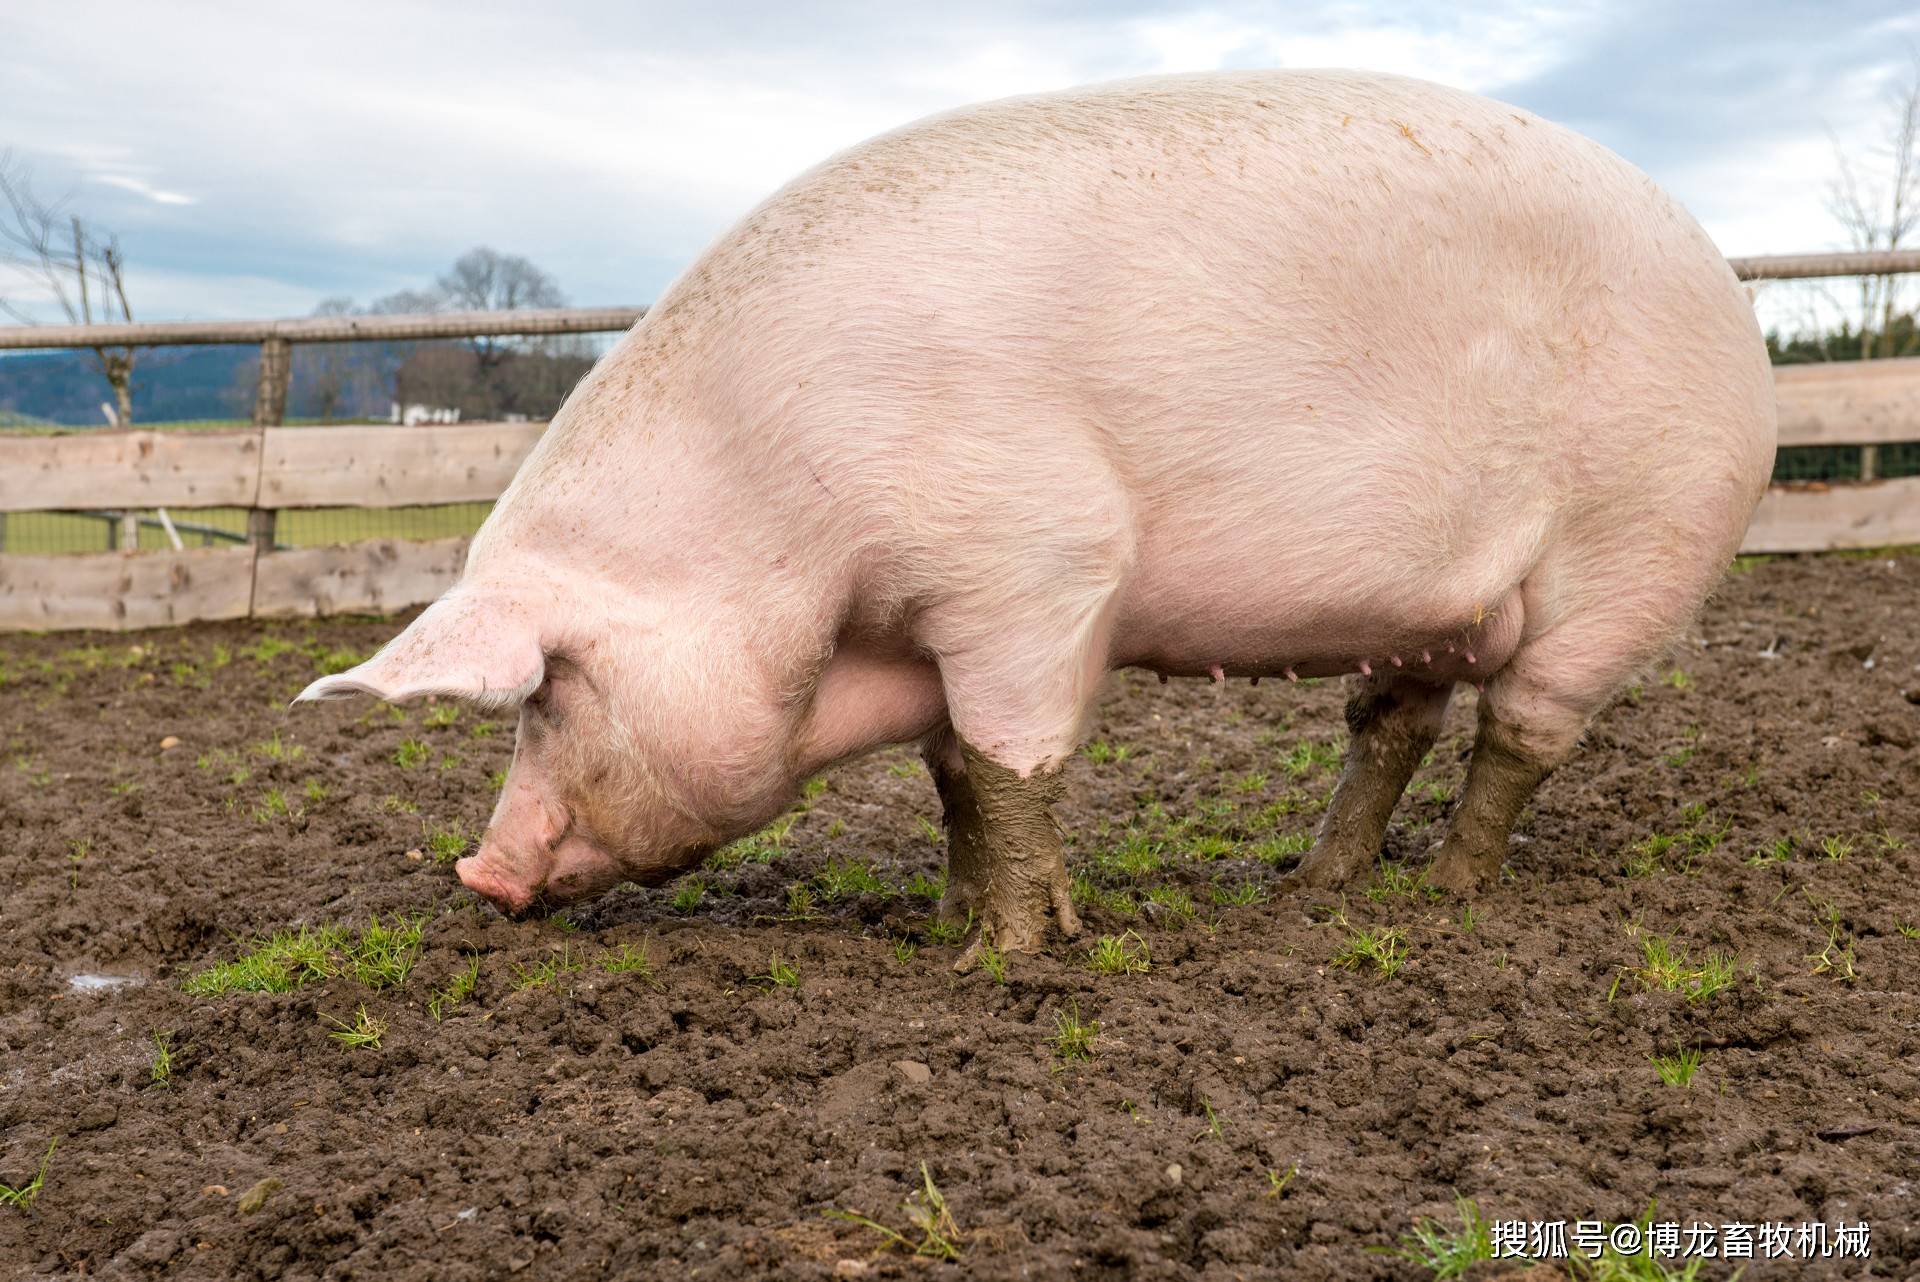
{"x":1315,"y":329}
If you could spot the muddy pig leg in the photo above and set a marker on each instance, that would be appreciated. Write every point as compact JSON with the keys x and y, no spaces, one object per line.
{"x":966,"y":829}
{"x":1024,"y":858}
{"x":1393,"y":722}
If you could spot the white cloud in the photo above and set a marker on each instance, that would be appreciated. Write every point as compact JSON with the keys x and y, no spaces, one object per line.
{"x":140,"y":187}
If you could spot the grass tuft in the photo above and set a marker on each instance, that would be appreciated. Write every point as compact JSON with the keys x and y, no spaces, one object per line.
{"x":24,"y":1196}
{"x":1448,"y":1252}
{"x":1126,"y":954}
{"x":362,"y":1032}
{"x":1073,"y":1037}
{"x":926,"y":1210}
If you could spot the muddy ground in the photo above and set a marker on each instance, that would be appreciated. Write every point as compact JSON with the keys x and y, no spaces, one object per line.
{"x":1249,"y":1108}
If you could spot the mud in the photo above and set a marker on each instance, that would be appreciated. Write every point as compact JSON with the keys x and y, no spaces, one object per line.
{"x":570,"y":1121}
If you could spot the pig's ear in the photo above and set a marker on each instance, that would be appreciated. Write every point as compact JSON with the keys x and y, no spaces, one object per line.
{"x":480,"y":648}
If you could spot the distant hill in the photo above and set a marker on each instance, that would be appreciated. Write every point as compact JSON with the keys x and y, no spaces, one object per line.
{"x":169,"y":384}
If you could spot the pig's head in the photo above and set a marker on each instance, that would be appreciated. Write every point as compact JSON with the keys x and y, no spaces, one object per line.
{"x":639,"y":749}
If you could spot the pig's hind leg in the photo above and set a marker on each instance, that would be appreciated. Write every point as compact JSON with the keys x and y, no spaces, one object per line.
{"x":965,"y":827}
{"x":1535,"y":708}
{"x":1393,"y":722}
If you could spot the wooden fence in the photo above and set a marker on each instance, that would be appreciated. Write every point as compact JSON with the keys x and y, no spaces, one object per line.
{"x":269,"y":468}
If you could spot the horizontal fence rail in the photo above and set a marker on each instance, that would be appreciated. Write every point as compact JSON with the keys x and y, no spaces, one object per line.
{"x":407,"y":327}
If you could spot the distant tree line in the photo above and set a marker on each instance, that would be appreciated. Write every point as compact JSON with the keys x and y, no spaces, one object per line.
{"x":480,"y":378}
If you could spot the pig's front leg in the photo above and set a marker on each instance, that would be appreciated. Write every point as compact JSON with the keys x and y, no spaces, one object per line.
{"x":965,"y":828}
{"x":1393,"y":722}
{"x":1024,"y":858}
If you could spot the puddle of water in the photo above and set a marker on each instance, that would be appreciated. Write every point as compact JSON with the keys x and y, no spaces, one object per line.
{"x":100,"y":983}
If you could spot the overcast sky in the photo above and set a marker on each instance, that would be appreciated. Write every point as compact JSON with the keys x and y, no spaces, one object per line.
{"x":255,"y":158}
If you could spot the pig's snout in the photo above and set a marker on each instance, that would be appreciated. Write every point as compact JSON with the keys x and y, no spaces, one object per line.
{"x":572,"y":869}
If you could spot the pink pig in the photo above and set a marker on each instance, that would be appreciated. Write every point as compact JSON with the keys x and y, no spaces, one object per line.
{"x":1250,"y":374}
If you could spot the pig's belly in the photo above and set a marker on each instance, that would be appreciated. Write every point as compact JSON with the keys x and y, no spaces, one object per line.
{"x":1174,"y":620}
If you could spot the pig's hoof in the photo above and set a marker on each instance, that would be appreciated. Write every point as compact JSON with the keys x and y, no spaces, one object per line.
{"x":1326,"y":868}
{"x":1459,"y":873}
{"x":1020,"y":926}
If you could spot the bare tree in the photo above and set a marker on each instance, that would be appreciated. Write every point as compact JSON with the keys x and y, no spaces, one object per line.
{"x":483,"y":280}
{"x":1881,"y":210}
{"x":81,"y":266}
{"x":324,"y":372}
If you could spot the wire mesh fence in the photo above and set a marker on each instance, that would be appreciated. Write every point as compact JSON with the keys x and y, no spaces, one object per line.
{"x":99,"y":531}
{"x":154,"y":529}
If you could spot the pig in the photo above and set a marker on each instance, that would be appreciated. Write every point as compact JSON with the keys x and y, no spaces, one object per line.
{"x":1267,"y":374}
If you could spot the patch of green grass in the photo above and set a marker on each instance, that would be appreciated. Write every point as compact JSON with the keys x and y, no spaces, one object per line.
{"x":275,"y":749}
{"x":1252,"y":781}
{"x":1308,"y":756}
{"x":627,"y":960}
{"x":781,"y":973}
{"x":441,"y":715}
{"x":411,"y":753}
{"x":379,"y":956}
{"x":925,"y":886}
{"x":24,"y":1196}
{"x":1277,"y":1181}
{"x":1678,"y":1068}
{"x":846,"y":878}
{"x":1126,"y":954}
{"x":1073,"y":1037}
{"x":1447,"y":1251}
{"x":1278,"y":849}
{"x":1836,"y":847}
{"x":329,"y":662}
{"x":947,"y":934}
{"x":926,"y":1210}
{"x":688,"y":894}
{"x":545,"y":974}
{"x":267,"y":649}
{"x":904,"y":949}
{"x":1137,"y":856}
{"x":447,"y":843}
{"x":1836,"y":957}
{"x":1214,"y":1121}
{"x":160,"y":1071}
{"x":272,"y":805}
{"x":1102,"y":753}
{"x":1399,"y":881}
{"x":362,"y":1032}
{"x":907,"y":769}
{"x":1676,"y":852}
{"x":1907,"y":929}
{"x":458,"y":990}
{"x":1678,"y":680}
{"x":1246,"y":894}
{"x":1667,"y":967}
{"x":993,"y":962}
{"x":1173,"y":901}
{"x":800,"y":901}
{"x":314,"y":791}
{"x":1384,"y":948}
{"x":762,"y":847}
{"x":1774,"y":852}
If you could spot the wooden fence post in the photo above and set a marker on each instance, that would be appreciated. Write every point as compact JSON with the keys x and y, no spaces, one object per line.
{"x":269,"y":410}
